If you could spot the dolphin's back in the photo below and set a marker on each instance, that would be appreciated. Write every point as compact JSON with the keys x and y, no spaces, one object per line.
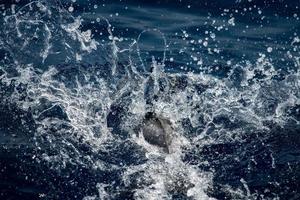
{"x":156,"y":131}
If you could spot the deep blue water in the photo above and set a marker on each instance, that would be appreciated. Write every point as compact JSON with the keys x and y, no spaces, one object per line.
{"x":78,"y":77}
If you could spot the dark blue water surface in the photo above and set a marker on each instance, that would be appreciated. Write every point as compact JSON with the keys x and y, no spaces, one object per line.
{"x":77,"y":78}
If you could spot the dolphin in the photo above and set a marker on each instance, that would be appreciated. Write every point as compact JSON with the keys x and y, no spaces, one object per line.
{"x":157,"y":131}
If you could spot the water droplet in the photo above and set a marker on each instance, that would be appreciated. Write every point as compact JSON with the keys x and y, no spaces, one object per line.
{"x":269,"y":49}
{"x":231,"y":21}
{"x":71,"y":9}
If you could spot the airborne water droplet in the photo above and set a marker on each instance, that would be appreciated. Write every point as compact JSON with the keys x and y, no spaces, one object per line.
{"x":71,"y":9}
{"x":269,"y":49}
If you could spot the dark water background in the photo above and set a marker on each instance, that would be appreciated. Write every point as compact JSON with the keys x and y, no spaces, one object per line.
{"x":76,"y":79}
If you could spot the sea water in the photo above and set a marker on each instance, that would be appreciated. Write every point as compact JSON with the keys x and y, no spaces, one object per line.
{"x":77,"y":78}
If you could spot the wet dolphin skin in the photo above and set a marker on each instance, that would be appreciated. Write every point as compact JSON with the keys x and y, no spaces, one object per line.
{"x":157,"y":131}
